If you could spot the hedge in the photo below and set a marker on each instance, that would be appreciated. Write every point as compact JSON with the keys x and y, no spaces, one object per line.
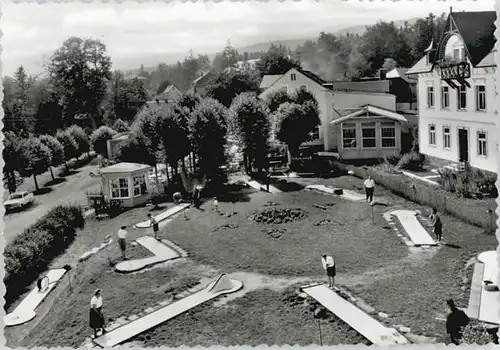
{"x":474,"y":211}
{"x":31,"y":252}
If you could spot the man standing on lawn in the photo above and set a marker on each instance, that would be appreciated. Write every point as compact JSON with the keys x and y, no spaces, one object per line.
{"x":455,"y":322}
{"x":436,"y":225}
{"x":329,"y":266}
{"x":369,"y":188}
{"x":122,"y":241}
{"x":153,"y":223}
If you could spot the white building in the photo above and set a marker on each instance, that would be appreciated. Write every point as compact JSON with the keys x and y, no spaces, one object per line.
{"x":456,"y":93}
{"x":354,"y":124}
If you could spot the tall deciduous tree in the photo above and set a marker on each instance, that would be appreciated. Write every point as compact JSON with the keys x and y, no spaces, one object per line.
{"x":208,"y":126}
{"x":294,"y":122}
{"x":226,"y":86}
{"x":80,"y":69}
{"x":34,"y":159}
{"x":56,"y":151}
{"x":10,"y":155}
{"x":277,"y":60}
{"x":69,"y":144}
{"x":99,"y":139}
{"x":250,"y":122}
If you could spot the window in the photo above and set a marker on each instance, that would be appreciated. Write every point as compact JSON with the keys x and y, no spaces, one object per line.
{"x":303,"y":88}
{"x":349,"y":135}
{"x":119,"y":188}
{"x":388,"y":134}
{"x":293,"y":76}
{"x":480,"y":97}
{"x":456,"y":54}
{"x":462,"y":97}
{"x":462,"y":54}
{"x":368,"y":135}
{"x":432,"y":135}
{"x":140,"y":187}
{"x":430,"y":96}
{"x":284,"y":89}
{"x":446,"y":137}
{"x":445,"y":97}
{"x":482,"y":148}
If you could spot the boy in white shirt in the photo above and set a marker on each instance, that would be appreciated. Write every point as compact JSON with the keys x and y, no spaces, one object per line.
{"x":329,"y":266}
{"x":216,"y":205}
{"x":369,"y":188}
{"x":122,"y":240}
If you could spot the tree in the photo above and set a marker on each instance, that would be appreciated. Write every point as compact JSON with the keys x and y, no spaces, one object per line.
{"x":81,"y":138}
{"x":69,"y":145}
{"x":276,"y":61}
{"x":34,"y":159}
{"x":99,"y":139}
{"x":228,"y":58}
{"x":208,"y":127}
{"x":56,"y":151}
{"x":120,"y":126}
{"x":10,"y":155}
{"x":276,"y":99}
{"x":389,"y":64}
{"x":49,"y":116}
{"x":80,"y":69}
{"x":250,"y":118}
{"x":294,"y":122}
{"x":226,"y":86}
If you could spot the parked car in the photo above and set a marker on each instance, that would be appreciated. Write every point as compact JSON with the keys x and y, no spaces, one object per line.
{"x":18,"y":200}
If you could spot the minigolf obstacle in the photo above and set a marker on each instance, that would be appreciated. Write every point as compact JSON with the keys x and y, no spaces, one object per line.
{"x":25,"y":311}
{"x":489,"y":305}
{"x":165,"y":215}
{"x":417,"y":233}
{"x":222,"y":285}
{"x":363,"y":323}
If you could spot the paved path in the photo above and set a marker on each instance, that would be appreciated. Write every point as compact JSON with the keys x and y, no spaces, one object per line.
{"x":161,"y":251}
{"x":349,"y":195}
{"x":490,"y":305}
{"x":25,"y":311}
{"x":259,"y":186}
{"x":413,"y":228}
{"x":367,"y":326}
{"x":165,"y":215}
{"x":130,"y":330}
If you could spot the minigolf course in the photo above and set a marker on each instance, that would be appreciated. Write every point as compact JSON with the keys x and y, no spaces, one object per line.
{"x":346,"y":194}
{"x":259,"y":186}
{"x":165,"y":215}
{"x":222,"y":285}
{"x":489,"y":305}
{"x":364,"y":324}
{"x":417,"y":233}
{"x":25,"y":311}
{"x":161,"y":253}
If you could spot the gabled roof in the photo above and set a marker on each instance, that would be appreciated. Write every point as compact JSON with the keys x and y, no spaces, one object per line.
{"x":268,"y":80}
{"x":171,"y":92}
{"x":420,"y":67}
{"x":203,"y":78}
{"x":307,"y":74}
{"x":488,"y":60}
{"x":382,"y":112}
{"x":399,"y":73}
{"x":124,"y":168}
{"x":477,"y":30}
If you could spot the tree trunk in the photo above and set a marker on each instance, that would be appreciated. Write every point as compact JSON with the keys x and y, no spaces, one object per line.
{"x":66,"y":165}
{"x":11,"y":182}
{"x":167,"y":173}
{"x":157,"y":180}
{"x":36,"y":183}
{"x":52,"y":173}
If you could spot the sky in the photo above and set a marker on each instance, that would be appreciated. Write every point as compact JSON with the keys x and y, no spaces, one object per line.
{"x":152,"y":32}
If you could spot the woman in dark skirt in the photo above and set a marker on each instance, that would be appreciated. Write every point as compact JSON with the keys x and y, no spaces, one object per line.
{"x":329,"y":266}
{"x":96,"y":317}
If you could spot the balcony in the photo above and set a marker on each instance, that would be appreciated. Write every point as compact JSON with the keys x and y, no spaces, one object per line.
{"x":455,"y":71}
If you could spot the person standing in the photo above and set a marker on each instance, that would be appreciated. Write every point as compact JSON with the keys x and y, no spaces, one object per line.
{"x":369,"y":186}
{"x":122,"y":241}
{"x":216,"y":205}
{"x":455,"y":322}
{"x":154,"y":224}
{"x":436,"y":225}
{"x":96,"y":317}
{"x":268,"y":179}
{"x":329,"y":266}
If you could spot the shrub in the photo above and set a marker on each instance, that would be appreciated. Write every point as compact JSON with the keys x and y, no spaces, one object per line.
{"x":30,"y":253}
{"x":412,"y":161}
{"x":99,"y":139}
{"x":476,"y":333}
{"x":469,"y":183}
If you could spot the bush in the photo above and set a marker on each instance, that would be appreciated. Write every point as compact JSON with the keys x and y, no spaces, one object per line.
{"x":475,"y":333}
{"x":469,"y":183}
{"x":99,"y":139}
{"x":412,"y":161}
{"x":31,"y":252}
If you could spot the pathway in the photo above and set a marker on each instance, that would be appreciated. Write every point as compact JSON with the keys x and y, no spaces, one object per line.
{"x":489,"y":305}
{"x":162,"y":251}
{"x":413,"y":228}
{"x":346,"y":194}
{"x":364,"y":324}
{"x":259,"y":186}
{"x":223,"y":285}
{"x":25,"y":311}
{"x":165,"y":215}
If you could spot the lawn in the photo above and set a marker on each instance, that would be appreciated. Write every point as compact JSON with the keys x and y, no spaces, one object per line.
{"x":237,"y":242}
{"x":410,"y":285}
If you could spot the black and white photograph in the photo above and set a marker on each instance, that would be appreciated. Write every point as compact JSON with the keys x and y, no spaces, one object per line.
{"x":311,"y":173}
